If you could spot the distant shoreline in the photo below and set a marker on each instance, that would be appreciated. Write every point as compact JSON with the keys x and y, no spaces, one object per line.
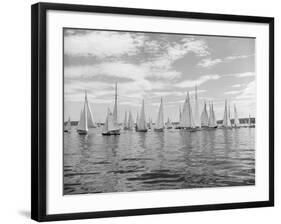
{"x":241,"y":120}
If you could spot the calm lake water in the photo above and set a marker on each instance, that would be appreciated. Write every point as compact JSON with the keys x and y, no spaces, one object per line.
{"x":172,"y":159}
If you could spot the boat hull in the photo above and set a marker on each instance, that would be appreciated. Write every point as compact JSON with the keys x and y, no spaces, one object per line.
{"x":225,"y":127}
{"x":108,"y":133}
{"x":82,"y":132}
{"x":141,"y":130}
{"x":213,"y":127}
{"x":191,"y":129}
{"x":159,"y":129}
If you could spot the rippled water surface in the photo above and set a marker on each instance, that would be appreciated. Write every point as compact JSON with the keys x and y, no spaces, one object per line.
{"x":173,"y":159}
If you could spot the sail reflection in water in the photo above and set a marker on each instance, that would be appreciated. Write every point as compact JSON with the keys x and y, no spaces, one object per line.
{"x":173,"y":159}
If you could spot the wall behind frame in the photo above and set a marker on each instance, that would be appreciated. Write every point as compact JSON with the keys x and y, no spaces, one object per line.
{"x":15,"y":110}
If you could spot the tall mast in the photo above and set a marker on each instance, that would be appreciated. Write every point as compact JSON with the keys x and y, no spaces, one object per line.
{"x":115,"y":106}
{"x":197,"y":119}
{"x":180,"y":114}
{"x":89,"y":117}
{"x":160,"y":117}
{"x":204,"y":116}
{"x":236,"y":120}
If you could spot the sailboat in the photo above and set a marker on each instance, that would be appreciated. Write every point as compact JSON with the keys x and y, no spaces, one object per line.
{"x":236,"y":120}
{"x":187,"y":121}
{"x":130,"y":124}
{"x":204,"y":117}
{"x":90,"y":119}
{"x":226,"y":123}
{"x":178,"y":126}
{"x":159,"y":125}
{"x":125,"y":123}
{"x":67,"y":126}
{"x":212,"y":122}
{"x":137,"y":121}
{"x":196,"y":115}
{"x":250,"y":125}
{"x":229,"y":115}
{"x":82,"y":127}
{"x":86,"y":118}
{"x":150,"y":123}
{"x":141,"y":122}
{"x":168,"y":124}
{"x":112,"y":127}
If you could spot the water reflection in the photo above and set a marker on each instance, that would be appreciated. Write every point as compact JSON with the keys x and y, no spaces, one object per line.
{"x":172,"y":159}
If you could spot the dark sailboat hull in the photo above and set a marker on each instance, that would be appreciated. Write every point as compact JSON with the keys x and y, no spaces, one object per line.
{"x":141,"y":130}
{"x":108,"y":133}
{"x":82,"y":132}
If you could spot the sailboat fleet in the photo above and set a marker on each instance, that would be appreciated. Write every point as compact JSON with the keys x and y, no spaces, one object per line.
{"x":188,"y":120}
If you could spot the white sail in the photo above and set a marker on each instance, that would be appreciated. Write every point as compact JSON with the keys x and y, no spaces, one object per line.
{"x":204,"y":117}
{"x":191,"y":119}
{"x":236,"y":120}
{"x":83,"y":123}
{"x":150,"y":123}
{"x":109,"y":123}
{"x":130,"y":121}
{"x":180,"y":114}
{"x":168,"y":124}
{"x":226,"y":119}
{"x":105,"y":126}
{"x":160,"y":118}
{"x":210,"y":115}
{"x":186,"y":119}
{"x":137,"y":120}
{"x":212,"y":118}
{"x":196,"y":115}
{"x":125,"y":123}
{"x":229,"y":115}
{"x":115,"y":115}
{"x":183,"y":115}
{"x":111,"y":126}
{"x":90,"y":120}
{"x":142,"y":120}
{"x":68,"y":125}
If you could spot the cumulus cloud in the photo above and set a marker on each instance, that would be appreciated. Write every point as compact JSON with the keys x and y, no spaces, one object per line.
{"x":102,"y":44}
{"x":231,"y":92}
{"x":249,"y":92}
{"x":198,"y":82}
{"x":236,"y":85}
{"x":245,"y":74}
{"x":238,"y":57}
{"x":208,"y":62}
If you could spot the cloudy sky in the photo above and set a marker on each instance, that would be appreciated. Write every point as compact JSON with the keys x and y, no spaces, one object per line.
{"x":150,"y":66}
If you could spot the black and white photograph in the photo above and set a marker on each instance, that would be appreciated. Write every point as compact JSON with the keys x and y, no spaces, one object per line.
{"x":150,"y":111}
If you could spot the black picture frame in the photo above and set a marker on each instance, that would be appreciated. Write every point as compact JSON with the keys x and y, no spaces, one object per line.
{"x":39,"y":108}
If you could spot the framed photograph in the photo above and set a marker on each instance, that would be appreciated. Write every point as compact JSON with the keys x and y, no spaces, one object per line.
{"x":139,"y":111}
